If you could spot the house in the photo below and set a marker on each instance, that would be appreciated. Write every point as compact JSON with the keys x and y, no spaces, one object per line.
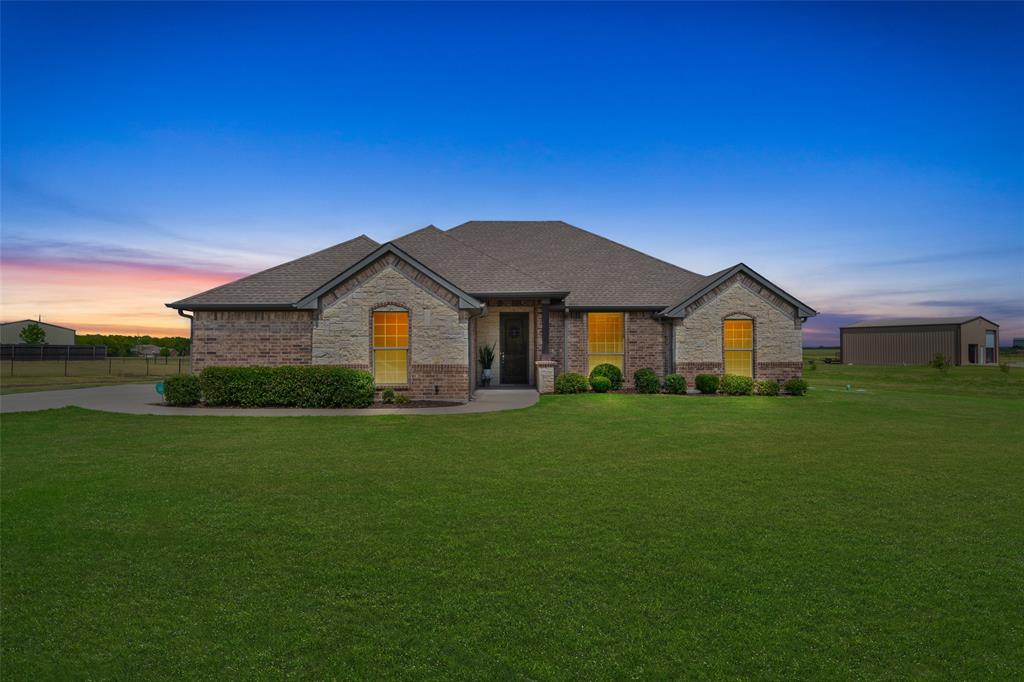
{"x":149,"y":350}
{"x":56,"y":335}
{"x":549,"y":296}
{"x":970,"y":340}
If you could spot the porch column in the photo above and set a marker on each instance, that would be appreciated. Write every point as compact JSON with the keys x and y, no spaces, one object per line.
{"x":545,"y":330}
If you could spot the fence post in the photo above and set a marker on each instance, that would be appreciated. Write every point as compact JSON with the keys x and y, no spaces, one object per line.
{"x":179,"y":364}
{"x":110,"y":366}
{"x":147,"y":365}
{"x":67,"y":356}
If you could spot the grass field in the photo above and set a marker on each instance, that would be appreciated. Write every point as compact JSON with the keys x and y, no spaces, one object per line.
{"x":847,"y":534}
{"x":48,"y":375}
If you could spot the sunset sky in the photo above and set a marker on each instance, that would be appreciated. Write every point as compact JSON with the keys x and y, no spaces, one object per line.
{"x":867,"y":158}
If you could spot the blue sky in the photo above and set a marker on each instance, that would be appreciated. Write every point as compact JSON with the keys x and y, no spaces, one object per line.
{"x":868,"y":158}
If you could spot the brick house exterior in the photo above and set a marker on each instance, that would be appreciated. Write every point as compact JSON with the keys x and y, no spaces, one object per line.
{"x":548,"y":296}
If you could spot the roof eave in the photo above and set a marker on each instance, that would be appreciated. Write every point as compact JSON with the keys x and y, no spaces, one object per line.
{"x":466,"y":301}
{"x":679,"y":310}
{"x":185,"y":305}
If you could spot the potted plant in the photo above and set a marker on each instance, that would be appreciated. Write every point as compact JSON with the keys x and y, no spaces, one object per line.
{"x":486,"y":360}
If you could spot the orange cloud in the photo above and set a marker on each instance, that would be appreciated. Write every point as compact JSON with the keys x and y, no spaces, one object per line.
{"x":103,"y":297}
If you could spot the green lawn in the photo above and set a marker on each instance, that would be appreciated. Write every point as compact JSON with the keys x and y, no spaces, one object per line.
{"x":874,"y":534}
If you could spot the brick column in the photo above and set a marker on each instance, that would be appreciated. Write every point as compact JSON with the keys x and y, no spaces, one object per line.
{"x":545,"y":376}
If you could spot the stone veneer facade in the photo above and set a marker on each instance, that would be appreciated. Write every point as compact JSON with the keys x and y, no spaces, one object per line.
{"x":777,"y":331}
{"x":438,"y":331}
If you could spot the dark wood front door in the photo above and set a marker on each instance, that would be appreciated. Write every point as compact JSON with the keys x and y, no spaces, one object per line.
{"x":515,"y":348}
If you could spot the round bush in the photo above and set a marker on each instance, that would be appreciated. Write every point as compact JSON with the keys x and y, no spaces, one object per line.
{"x":570,"y":382}
{"x":706,"y":383}
{"x":675,"y":383}
{"x":733,"y":384}
{"x":767,"y":387}
{"x":606,"y":369}
{"x":795,"y":387}
{"x":646,"y":381}
{"x":600,"y":384}
{"x":182,"y":391}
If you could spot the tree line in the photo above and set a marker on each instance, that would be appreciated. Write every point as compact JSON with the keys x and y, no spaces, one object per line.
{"x":120,"y":345}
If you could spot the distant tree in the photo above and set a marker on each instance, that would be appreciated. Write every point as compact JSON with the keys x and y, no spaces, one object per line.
{"x":165,"y":352}
{"x":33,"y":333}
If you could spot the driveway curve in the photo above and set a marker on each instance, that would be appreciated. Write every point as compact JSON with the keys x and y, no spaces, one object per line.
{"x":143,"y":399}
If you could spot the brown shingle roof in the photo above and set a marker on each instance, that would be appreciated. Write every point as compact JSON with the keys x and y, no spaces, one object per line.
{"x":285,"y":284}
{"x":595,"y":270}
{"x":469,"y":269}
{"x":484,"y":258}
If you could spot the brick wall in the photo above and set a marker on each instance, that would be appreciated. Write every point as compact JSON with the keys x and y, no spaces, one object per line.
{"x":451,"y":382}
{"x":645,"y":344}
{"x":577,"y":322}
{"x":257,"y":337}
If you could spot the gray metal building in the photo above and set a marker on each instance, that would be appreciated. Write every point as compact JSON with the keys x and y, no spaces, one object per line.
{"x":963,"y":340}
{"x":56,"y":335}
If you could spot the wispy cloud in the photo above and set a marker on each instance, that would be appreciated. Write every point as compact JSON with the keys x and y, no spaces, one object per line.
{"x":1005,"y":252}
{"x":47,"y":253}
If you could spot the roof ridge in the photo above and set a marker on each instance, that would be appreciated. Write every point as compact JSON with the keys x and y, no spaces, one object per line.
{"x":281,"y":265}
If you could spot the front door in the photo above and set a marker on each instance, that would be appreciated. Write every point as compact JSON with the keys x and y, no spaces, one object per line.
{"x":972,"y":353}
{"x":515,"y":348}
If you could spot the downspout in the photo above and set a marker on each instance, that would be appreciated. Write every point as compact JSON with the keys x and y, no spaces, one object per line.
{"x":670,"y":346}
{"x":191,"y":332}
{"x":565,"y":340}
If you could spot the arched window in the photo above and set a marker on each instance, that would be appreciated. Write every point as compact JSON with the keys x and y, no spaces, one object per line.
{"x":738,"y":347}
{"x":391,"y":347}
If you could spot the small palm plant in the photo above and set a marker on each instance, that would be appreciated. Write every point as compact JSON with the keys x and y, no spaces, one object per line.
{"x":486,"y":355}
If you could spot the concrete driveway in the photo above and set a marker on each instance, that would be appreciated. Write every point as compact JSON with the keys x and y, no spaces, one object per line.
{"x":143,"y":399}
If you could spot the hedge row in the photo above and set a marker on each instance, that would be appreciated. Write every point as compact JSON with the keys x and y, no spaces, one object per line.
{"x":646,"y":381}
{"x":290,"y":386}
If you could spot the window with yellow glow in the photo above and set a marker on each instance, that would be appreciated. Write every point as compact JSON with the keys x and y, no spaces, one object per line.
{"x":605,"y":339}
{"x":390,"y":347}
{"x":738,"y":343}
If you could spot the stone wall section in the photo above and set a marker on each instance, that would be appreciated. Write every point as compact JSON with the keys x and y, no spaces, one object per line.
{"x":438,"y":330}
{"x":778,"y":352}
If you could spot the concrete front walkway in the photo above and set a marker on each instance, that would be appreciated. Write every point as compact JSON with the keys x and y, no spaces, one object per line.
{"x":143,"y":399}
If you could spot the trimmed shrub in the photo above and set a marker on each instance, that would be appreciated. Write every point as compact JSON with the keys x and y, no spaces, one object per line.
{"x":401,"y":399}
{"x":182,"y":391}
{"x":733,"y":384}
{"x":1004,"y":368}
{"x":939,"y":362}
{"x":289,"y":386}
{"x":387,"y":396}
{"x":795,"y":387}
{"x":706,"y":383}
{"x":600,"y":384}
{"x":675,"y":383}
{"x":767,"y":387}
{"x":646,"y":381}
{"x":571,"y":382}
{"x":606,"y":369}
